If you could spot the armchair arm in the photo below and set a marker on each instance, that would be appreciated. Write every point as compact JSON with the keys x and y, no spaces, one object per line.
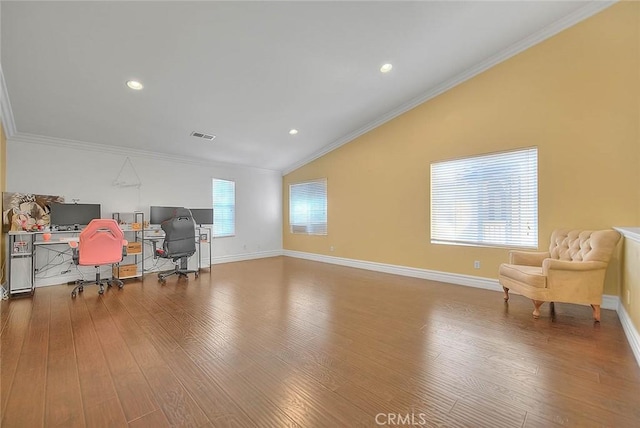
{"x":553,"y":264}
{"x":527,"y":258}
{"x":575,"y":282}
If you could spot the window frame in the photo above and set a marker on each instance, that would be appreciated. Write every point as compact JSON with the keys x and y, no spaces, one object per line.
{"x":496,"y":221}
{"x":310,"y":228}
{"x":218,"y":208}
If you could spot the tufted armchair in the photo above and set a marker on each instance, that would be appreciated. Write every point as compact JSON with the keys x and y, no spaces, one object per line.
{"x":572,"y":271}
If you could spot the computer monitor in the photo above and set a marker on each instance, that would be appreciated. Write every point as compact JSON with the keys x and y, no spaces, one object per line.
{"x":159,"y":214}
{"x":202,"y":215}
{"x":73,"y":214}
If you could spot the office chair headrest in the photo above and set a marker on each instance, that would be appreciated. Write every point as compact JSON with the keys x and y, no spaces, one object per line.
{"x":183,"y":212}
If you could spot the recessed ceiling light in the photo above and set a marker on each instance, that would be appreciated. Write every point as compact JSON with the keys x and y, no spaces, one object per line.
{"x":386,"y":68}
{"x":134,"y":84}
{"x":293,"y":132}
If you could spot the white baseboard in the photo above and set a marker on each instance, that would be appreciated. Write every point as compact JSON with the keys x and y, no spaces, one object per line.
{"x":633,"y":337}
{"x":248,"y":256}
{"x":608,"y":301}
{"x":433,"y":275}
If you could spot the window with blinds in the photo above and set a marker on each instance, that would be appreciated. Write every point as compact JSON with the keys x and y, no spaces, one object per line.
{"x":224,"y":208}
{"x":308,"y":207}
{"x":488,"y":200}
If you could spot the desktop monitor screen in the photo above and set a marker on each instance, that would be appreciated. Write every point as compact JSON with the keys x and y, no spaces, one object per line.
{"x":202,"y":215}
{"x":159,"y":214}
{"x":72,"y":214}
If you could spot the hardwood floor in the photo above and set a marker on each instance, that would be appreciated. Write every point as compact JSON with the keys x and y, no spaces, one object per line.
{"x":284,"y":342}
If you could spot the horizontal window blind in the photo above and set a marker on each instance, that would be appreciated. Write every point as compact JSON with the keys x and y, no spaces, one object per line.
{"x":224,"y":208}
{"x":308,"y":207}
{"x":487,"y":200}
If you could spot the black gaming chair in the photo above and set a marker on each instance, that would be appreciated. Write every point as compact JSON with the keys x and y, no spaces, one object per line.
{"x":179,"y":243}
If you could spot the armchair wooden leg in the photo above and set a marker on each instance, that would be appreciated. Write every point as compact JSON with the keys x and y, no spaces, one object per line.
{"x":536,"y":309}
{"x":506,"y":294}
{"x":596,"y":312}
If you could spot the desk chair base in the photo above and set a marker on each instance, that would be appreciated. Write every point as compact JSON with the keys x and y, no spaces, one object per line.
{"x":79,"y":288}
{"x":180,"y":270}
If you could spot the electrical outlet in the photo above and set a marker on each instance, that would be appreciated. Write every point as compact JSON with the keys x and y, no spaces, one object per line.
{"x":476,"y":264}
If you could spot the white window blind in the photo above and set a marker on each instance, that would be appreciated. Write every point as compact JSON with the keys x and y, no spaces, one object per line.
{"x":487,"y":200}
{"x":224,"y":208}
{"x":308,"y":207}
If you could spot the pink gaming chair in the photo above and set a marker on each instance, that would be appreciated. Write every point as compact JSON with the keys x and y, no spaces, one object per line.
{"x":101,"y":243}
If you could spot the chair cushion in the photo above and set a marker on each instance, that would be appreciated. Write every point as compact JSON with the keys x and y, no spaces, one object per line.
{"x":529,"y":275}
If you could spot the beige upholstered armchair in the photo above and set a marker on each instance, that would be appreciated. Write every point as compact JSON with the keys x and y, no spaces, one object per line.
{"x":572,"y":271}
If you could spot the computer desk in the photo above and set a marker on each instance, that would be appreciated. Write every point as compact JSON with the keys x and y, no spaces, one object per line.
{"x":26,"y":248}
{"x":23,"y":250}
{"x":203,"y":244}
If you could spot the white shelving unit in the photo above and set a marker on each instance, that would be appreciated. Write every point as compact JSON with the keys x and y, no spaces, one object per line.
{"x":21,"y":273}
{"x":132,"y":266}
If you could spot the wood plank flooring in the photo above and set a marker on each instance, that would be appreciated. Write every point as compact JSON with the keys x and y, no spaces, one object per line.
{"x":284,"y":342}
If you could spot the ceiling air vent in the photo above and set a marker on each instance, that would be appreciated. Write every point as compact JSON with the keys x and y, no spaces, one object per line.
{"x":201,"y":135}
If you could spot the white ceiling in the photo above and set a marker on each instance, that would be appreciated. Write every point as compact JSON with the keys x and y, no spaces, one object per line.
{"x":248,"y":72}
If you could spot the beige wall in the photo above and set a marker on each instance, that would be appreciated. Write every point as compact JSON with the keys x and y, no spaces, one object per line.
{"x":574,"y":96}
{"x":637,"y":13}
{"x":631,"y":252}
{"x":3,"y":181}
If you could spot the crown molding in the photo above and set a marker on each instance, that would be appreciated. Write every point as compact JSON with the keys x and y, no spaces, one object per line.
{"x":8,"y":121}
{"x":556,"y":27}
{"x":26,"y":138}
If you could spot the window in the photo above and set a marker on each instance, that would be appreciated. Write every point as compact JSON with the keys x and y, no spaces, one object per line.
{"x":487,"y":200}
{"x":308,"y":207}
{"x":224,"y":208}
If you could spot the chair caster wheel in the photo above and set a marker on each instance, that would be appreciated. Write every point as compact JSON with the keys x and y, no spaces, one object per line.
{"x":74,"y":294}
{"x":197,"y":274}
{"x":121,"y":285}
{"x":100,"y":291}
{"x":80,"y":289}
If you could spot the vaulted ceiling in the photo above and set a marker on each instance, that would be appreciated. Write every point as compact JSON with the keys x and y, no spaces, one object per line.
{"x":249,"y":72}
